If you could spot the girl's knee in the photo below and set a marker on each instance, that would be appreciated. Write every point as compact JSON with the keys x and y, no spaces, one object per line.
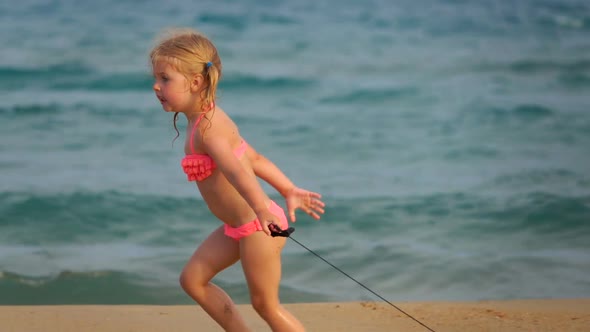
{"x":184,"y":280}
{"x":191,"y":278}
{"x":264,"y":307}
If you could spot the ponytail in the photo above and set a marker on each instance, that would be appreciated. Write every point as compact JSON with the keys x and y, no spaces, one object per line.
{"x":212,"y":75}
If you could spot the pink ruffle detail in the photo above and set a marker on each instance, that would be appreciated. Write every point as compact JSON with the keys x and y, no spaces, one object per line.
{"x":197,"y":167}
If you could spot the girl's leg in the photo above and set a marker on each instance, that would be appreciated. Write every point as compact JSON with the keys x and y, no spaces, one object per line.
{"x":261,"y":261}
{"x":215,"y":254}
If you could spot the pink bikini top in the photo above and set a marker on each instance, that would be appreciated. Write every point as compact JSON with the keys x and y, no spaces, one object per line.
{"x":199,"y":166}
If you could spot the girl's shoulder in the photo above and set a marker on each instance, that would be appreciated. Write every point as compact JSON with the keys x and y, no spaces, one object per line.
{"x":220,"y":123}
{"x":218,"y":118}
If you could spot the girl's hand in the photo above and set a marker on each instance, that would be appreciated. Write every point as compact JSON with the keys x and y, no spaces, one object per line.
{"x":310,"y":202}
{"x":266,"y":218}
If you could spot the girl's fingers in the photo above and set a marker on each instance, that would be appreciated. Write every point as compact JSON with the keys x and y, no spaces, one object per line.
{"x":319,"y":203}
{"x":315,"y":213}
{"x":306,"y":209}
{"x":266,"y":230}
{"x":309,"y":202}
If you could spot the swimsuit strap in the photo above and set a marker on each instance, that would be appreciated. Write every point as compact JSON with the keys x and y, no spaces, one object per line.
{"x":193,"y":131}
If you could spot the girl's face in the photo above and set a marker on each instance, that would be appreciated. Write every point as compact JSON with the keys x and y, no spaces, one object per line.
{"x":172,"y":88}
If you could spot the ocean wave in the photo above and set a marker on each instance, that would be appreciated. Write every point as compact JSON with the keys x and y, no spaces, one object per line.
{"x":442,"y":232}
{"x":471,"y":152}
{"x":233,"y":22}
{"x":133,"y":81}
{"x":52,"y":109}
{"x":575,"y":80}
{"x":72,"y":76}
{"x":535,"y":66}
{"x":17,"y":78}
{"x":112,"y":82}
{"x":377,"y":95}
{"x":540,"y":211}
{"x":53,"y":71}
{"x":276,"y":19}
{"x":240,"y":22}
{"x":536,"y":176}
{"x":81,"y":287}
{"x":30,"y":109}
{"x":523,"y":115}
{"x":114,"y":215}
{"x":39,"y":281}
{"x":538,"y":129}
{"x":120,"y":287}
{"x":253,"y":82}
{"x":81,"y":217}
{"x":571,"y":21}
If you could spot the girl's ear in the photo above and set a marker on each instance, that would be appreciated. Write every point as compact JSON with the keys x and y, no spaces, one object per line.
{"x":197,"y":83}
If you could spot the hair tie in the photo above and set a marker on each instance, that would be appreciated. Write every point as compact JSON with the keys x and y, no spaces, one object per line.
{"x":209,"y":64}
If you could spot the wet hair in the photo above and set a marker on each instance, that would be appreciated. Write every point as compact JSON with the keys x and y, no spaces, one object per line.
{"x":191,"y":53}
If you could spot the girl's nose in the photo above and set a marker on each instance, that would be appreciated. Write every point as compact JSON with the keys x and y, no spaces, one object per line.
{"x":156,"y":87}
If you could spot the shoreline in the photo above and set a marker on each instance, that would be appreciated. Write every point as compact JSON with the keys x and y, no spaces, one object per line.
{"x":504,"y":315}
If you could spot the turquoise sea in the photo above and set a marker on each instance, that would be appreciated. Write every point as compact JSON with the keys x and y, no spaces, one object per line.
{"x":450,"y":140}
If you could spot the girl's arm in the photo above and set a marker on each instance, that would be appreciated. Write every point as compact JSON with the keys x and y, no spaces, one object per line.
{"x":220,"y":150}
{"x":269,"y":172}
{"x":296,"y":198}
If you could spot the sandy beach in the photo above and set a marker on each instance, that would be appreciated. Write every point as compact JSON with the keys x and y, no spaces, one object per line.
{"x":514,"y":315}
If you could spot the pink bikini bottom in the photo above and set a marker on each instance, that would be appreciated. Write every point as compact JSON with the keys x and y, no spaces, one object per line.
{"x":253,"y":226}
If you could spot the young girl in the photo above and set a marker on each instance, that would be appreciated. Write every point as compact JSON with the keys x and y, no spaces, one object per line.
{"x":187,"y":68}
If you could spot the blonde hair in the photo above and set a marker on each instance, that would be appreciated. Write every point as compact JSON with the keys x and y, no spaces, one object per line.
{"x":191,"y":53}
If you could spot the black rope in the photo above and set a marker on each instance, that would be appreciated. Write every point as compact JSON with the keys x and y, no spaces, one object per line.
{"x":365,"y":287}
